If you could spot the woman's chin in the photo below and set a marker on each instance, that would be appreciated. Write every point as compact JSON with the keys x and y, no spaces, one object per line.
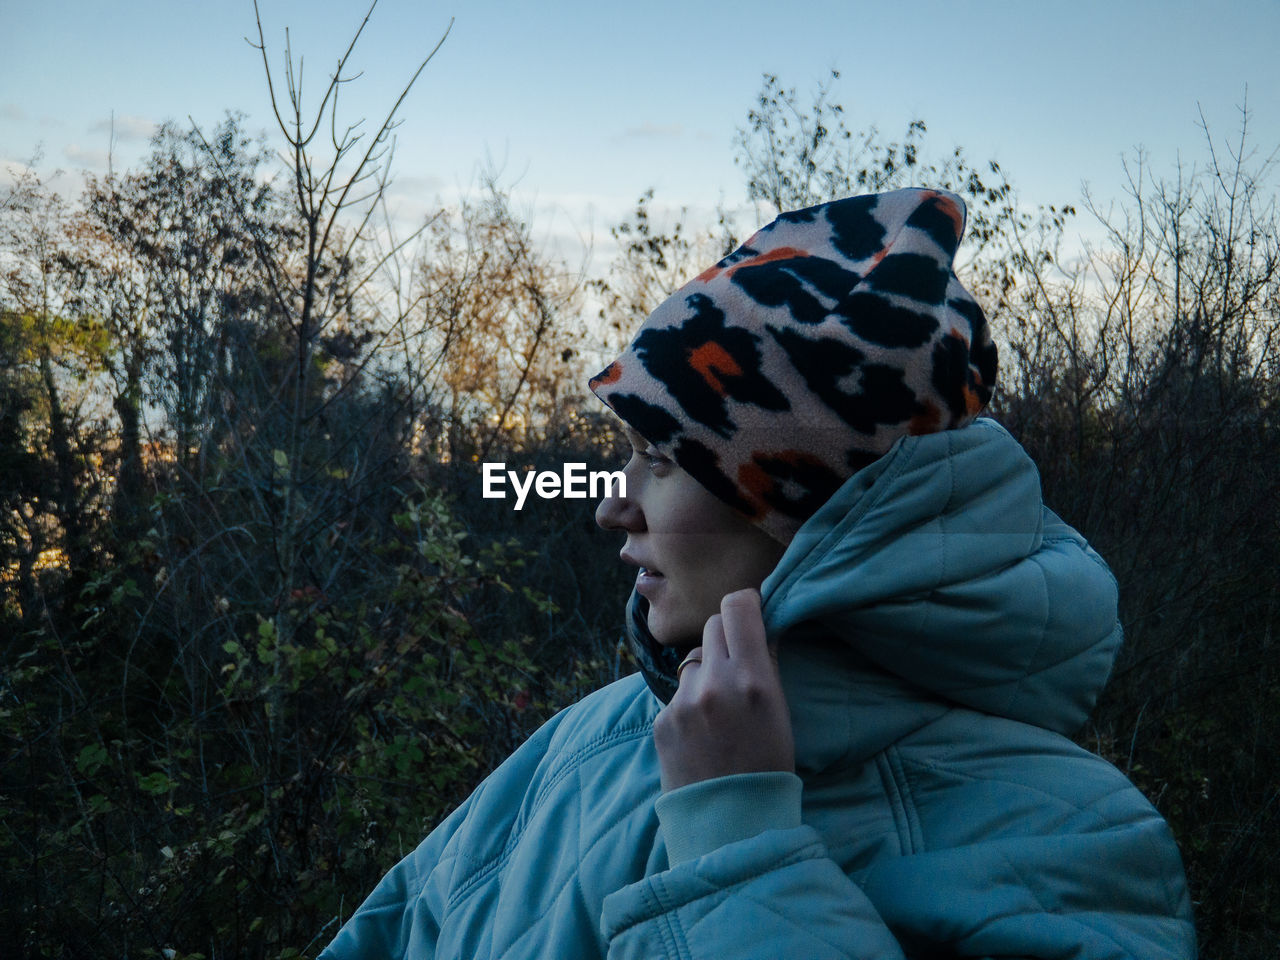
{"x":660,"y":635}
{"x":668,"y":636}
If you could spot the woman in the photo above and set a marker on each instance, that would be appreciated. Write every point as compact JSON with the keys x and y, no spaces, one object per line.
{"x":865,"y":758}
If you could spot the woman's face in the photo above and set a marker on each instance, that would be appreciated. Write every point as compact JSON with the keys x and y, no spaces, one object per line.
{"x":690,"y":546}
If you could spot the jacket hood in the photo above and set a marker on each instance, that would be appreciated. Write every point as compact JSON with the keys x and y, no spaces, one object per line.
{"x":932,"y":578}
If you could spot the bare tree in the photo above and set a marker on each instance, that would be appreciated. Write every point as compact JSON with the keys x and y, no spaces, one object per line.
{"x":499,"y":323}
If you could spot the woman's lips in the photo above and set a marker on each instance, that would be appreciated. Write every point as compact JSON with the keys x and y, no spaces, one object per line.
{"x":647,"y":581}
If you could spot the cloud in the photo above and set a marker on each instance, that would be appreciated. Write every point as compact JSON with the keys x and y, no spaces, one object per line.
{"x":127,"y":128}
{"x":13,"y":113}
{"x":654,"y":131}
{"x":413,"y":199}
{"x":410,"y":186}
{"x":11,"y":171}
{"x":89,"y":159}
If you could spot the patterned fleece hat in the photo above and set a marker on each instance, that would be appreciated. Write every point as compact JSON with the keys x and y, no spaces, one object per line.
{"x":806,"y":353}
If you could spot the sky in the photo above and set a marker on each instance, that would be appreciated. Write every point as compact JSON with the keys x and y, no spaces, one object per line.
{"x":582,"y":106}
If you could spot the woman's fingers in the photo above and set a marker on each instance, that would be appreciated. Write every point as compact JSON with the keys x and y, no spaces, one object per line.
{"x":691,"y":661}
{"x":742,"y":627}
{"x":729,"y":714}
{"x":715,"y":647}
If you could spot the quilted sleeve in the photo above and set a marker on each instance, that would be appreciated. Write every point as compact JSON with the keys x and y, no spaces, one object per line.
{"x":775,"y":895}
{"x":746,"y":879}
{"x":1109,"y":886}
{"x":1114,"y":891}
{"x":399,"y":919}
{"x":402,"y":917}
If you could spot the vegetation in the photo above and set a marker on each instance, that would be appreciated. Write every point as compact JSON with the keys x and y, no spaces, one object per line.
{"x":264,"y":633}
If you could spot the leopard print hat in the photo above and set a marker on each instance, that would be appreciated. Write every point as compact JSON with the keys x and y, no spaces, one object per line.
{"x":806,"y":353}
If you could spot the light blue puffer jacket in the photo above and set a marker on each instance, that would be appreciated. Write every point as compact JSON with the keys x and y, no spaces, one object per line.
{"x":940,"y":632}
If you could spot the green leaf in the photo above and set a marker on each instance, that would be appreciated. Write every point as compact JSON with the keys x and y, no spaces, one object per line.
{"x":91,"y":759}
{"x":155,"y":783}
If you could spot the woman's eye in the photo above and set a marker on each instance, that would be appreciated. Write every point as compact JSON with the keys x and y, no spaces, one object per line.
{"x":655,"y":460}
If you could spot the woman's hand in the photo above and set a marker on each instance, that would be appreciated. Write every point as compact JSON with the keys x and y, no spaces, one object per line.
{"x":729,"y":714}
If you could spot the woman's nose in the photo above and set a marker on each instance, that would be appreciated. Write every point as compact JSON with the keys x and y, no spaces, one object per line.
{"x":619,"y":513}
